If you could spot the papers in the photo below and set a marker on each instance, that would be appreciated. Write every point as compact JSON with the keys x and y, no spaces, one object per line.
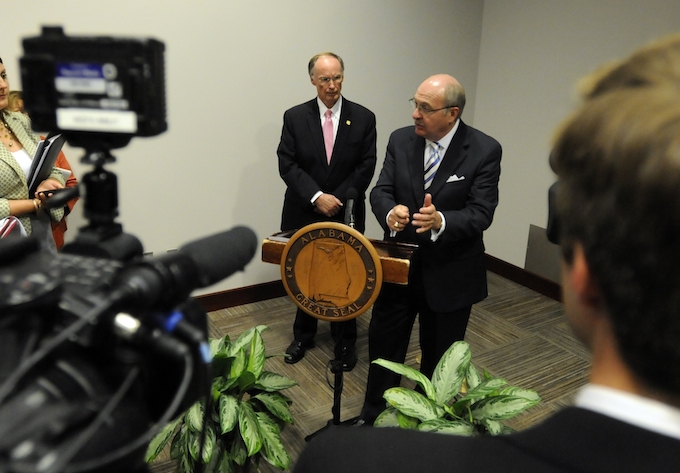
{"x":11,"y":224}
{"x":64,"y":172}
{"x":43,"y":161}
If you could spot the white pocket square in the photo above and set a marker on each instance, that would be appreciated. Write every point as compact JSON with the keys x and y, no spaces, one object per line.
{"x":455,"y":178}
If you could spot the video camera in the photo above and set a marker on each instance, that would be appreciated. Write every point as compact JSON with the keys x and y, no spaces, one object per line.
{"x":100,"y":347}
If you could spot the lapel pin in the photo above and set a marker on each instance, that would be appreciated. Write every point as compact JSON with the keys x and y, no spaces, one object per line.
{"x":348,"y":122}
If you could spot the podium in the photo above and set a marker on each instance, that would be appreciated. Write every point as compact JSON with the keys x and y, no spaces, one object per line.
{"x":395,"y":257}
{"x":334,"y":273}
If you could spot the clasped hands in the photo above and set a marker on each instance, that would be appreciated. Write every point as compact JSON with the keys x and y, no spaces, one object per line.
{"x":426,"y":219}
{"x":327,"y":204}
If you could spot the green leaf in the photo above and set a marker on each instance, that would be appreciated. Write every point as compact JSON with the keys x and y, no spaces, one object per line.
{"x":445,"y":426}
{"x":178,"y":446}
{"x":500,"y":407}
{"x":229,"y":408}
{"x":449,"y":374}
{"x":161,"y":439}
{"x":185,"y":464}
{"x":208,"y":448}
{"x":412,"y":404}
{"x":272,"y":448}
{"x":257,"y":355}
{"x":410,"y":373}
{"x":407,"y":422}
{"x":486,"y":388}
{"x":247,"y":422}
{"x":220,"y":463}
{"x":387,"y":418}
{"x":521,"y":392}
{"x":246,"y":381}
{"x":239,"y":453}
{"x":238,"y":366}
{"x":494,"y":427}
{"x":194,"y":417}
{"x":277,"y":404}
{"x":243,"y":341}
{"x":472,"y":377}
{"x":218,"y":346}
{"x":271,"y":382}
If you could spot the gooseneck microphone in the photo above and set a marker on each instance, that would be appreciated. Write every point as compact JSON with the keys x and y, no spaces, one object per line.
{"x":352,"y":195}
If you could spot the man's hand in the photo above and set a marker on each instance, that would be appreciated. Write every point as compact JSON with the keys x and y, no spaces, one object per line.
{"x":428,"y":218}
{"x":399,"y":218}
{"x":327,"y":204}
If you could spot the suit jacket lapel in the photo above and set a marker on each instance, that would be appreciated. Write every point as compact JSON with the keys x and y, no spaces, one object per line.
{"x":416,"y":168}
{"x":316,"y":132}
{"x":343,"y":131}
{"x":455,"y":155}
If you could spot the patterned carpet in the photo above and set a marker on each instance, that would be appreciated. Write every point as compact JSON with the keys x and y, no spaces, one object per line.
{"x":516,"y":334}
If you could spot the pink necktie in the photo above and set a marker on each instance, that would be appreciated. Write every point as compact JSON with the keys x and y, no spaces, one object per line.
{"x":328,"y":135}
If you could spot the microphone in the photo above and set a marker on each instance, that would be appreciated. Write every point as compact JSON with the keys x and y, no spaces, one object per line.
{"x":352,"y":195}
{"x":162,"y":283}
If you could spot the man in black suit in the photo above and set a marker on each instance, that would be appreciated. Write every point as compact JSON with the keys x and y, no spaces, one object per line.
{"x":617,"y":212}
{"x":328,"y":146}
{"x":438,"y":188}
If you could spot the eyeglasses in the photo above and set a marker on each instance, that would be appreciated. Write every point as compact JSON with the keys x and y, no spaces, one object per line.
{"x":327,"y":80}
{"x":425,"y":109}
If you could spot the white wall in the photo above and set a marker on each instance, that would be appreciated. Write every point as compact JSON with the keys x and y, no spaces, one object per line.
{"x":232,"y":69}
{"x":532,"y":54}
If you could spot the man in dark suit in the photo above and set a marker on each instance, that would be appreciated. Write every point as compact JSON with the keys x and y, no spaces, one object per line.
{"x":617,"y":210}
{"x":328,"y":146}
{"x":438,"y":188}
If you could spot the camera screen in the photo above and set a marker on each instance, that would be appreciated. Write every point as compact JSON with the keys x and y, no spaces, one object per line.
{"x":98,"y":85}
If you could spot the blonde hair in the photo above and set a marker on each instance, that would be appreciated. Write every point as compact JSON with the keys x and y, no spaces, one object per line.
{"x":15,"y":101}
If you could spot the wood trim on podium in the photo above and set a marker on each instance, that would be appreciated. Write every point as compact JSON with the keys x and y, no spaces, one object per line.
{"x":273,"y":289}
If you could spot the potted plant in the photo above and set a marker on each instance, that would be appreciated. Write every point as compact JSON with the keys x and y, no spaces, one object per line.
{"x":457,"y":400}
{"x":246,"y":417}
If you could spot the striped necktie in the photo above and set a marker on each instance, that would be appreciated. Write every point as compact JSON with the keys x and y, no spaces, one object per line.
{"x":432,"y":164}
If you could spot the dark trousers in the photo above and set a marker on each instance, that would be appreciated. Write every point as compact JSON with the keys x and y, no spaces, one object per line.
{"x":304,"y":329}
{"x":389,"y":333}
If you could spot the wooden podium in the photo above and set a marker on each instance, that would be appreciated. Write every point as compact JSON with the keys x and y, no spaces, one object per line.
{"x":332,"y":272}
{"x":394,"y":257}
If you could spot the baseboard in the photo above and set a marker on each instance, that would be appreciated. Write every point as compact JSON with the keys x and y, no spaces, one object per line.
{"x":273,"y":289}
{"x":241,"y":295}
{"x":526,"y":278}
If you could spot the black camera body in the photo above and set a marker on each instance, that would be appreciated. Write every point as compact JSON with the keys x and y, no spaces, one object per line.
{"x":96,"y":90}
{"x":109,"y":343}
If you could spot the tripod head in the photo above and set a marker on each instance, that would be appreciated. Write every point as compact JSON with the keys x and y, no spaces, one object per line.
{"x":102,"y":237}
{"x":99,"y":92}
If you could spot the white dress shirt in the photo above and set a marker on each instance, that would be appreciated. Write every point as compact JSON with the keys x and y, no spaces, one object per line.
{"x":640,"y":411}
{"x":444,"y":144}
{"x":335,"y":117}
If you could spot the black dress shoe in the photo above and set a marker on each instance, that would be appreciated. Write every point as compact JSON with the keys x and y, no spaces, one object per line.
{"x":296,"y":351}
{"x":348,"y":358}
{"x":359,"y":422}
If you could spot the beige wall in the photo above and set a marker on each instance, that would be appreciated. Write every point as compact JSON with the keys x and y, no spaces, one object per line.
{"x":533,"y":52}
{"x":233,"y":68}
